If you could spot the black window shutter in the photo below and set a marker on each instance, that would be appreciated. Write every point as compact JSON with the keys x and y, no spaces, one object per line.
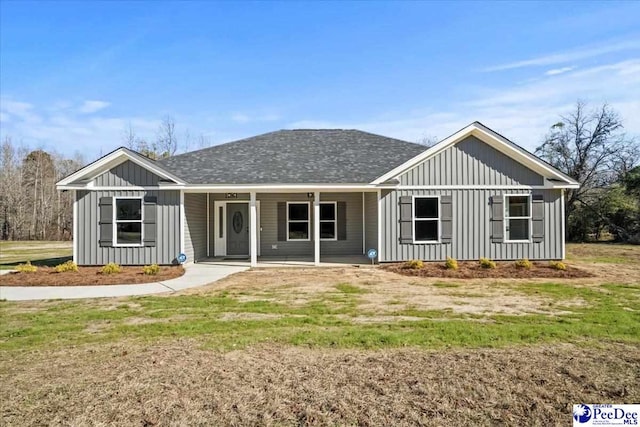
{"x":105,"y":205}
{"x":446,"y":219}
{"x":537,"y":217}
{"x":341,"y":218}
{"x":406,"y":212}
{"x":282,"y":221}
{"x":149,"y":220}
{"x":497,"y":219}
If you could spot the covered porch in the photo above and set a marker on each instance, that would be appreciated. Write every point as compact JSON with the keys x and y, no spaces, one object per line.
{"x":292,"y":261}
{"x":280,"y":228}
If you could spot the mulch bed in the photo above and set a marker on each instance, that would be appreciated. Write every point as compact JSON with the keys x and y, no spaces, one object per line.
{"x":88,"y":276}
{"x":472,"y":270}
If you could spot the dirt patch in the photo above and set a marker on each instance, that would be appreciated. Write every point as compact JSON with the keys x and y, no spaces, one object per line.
{"x":472,"y":270}
{"x":87,"y":276}
{"x":179,"y":384}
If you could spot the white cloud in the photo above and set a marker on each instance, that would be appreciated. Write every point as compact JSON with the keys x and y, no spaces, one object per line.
{"x":557,"y":71}
{"x":64,"y":130}
{"x":522,"y":113}
{"x":243,"y":118}
{"x":89,"y":107}
{"x":569,"y":56}
{"x":20,"y":110}
{"x":240,"y":118}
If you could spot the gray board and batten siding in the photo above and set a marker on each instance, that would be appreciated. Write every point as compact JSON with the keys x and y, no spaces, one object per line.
{"x":127,"y":174}
{"x":163,"y":250}
{"x":473,"y":163}
{"x":470,"y":162}
{"x":471,"y":233}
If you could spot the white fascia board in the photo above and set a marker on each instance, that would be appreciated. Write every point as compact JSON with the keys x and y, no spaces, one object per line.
{"x":114,"y":159}
{"x":489,"y":137}
{"x":274,"y":188}
{"x":203,"y":188}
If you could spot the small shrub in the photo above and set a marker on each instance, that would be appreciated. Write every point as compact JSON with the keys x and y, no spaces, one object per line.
{"x":66,"y":266}
{"x":151,"y":270}
{"x":524,"y":263}
{"x":451,"y":264}
{"x":487,"y":263}
{"x":27,"y":268}
{"x":558,"y":265}
{"x":414,"y":264}
{"x":111,"y":268}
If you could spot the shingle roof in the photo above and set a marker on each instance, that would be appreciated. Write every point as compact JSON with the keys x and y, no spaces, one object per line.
{"x":305,"y":156}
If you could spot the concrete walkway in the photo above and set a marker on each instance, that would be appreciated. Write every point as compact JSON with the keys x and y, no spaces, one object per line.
{"x":195,"y":275}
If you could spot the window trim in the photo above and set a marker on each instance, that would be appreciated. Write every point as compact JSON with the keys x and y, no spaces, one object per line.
{"x":116,"y":221}
{"x":506,"y":217}
{"x":413,"y":219}
{"x":308,"y":220}
{"x":334,"y":221}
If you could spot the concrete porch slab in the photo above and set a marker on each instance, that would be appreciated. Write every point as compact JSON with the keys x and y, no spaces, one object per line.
{"x":293,"y":261}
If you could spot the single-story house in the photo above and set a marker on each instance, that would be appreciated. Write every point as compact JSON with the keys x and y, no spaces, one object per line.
{"x":316,"y":193}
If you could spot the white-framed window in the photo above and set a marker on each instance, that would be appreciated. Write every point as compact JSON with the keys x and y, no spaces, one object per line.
{"x":517,"y":217}
{"x":298,"y":221}
{"x":328,"y":221}
{"x":127,"y":221}
{"x":426,"y":219}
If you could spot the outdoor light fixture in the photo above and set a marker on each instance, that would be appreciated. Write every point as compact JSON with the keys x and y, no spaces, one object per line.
{"x":310,"y":195}
{"x":231,"y":196}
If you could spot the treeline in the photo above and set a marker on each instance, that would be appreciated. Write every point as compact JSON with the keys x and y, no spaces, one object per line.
{"x":30,"y":206}
{"x":590,"y":145}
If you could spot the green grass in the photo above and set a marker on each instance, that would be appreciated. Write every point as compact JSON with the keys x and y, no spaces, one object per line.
{"x":350,"y":289}
{"x":609,"y":312}
{"x":40,"y":253}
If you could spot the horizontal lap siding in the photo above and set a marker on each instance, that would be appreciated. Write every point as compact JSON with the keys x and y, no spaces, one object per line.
{"x":371,"y":220}
{"x":126,"y":174}
{"x":269,"y":224}
{"x":353,"y":244}
{"x":470,"y":162}
{"x":167,"y":236}
{"x":195,"y":224}
{"x":471,"y":237}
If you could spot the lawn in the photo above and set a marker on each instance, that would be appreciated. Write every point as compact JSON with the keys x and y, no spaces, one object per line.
{"x":331,"y":346}
{"x":37,"y":252}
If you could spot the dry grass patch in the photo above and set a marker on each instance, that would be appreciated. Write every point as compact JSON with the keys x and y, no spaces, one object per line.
{"x":603,"y":253}
{"x":178,"y":383}
{"x":47,"y":276}
{"x":378,"y":291}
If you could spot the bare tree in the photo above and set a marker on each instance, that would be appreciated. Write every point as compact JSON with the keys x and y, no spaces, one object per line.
{"x":30,"y":205}
{"x":427,"y":140}
{"x":129,"y":137}
{"x":204,"y":141}
{"x":591,"y":147}
{"x":167,"y":140}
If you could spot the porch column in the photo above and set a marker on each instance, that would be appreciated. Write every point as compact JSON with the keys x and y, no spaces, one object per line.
{"x":253,"y":229}
{"x":316,"y":228}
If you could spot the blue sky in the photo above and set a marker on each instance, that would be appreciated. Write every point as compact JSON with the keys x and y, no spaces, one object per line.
{"x":73,"y":75}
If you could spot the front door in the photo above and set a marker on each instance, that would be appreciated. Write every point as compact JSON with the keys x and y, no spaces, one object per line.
{"x":238,"y":229}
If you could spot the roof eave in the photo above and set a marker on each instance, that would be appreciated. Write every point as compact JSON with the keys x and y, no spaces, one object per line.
{"x":110,"y":160}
